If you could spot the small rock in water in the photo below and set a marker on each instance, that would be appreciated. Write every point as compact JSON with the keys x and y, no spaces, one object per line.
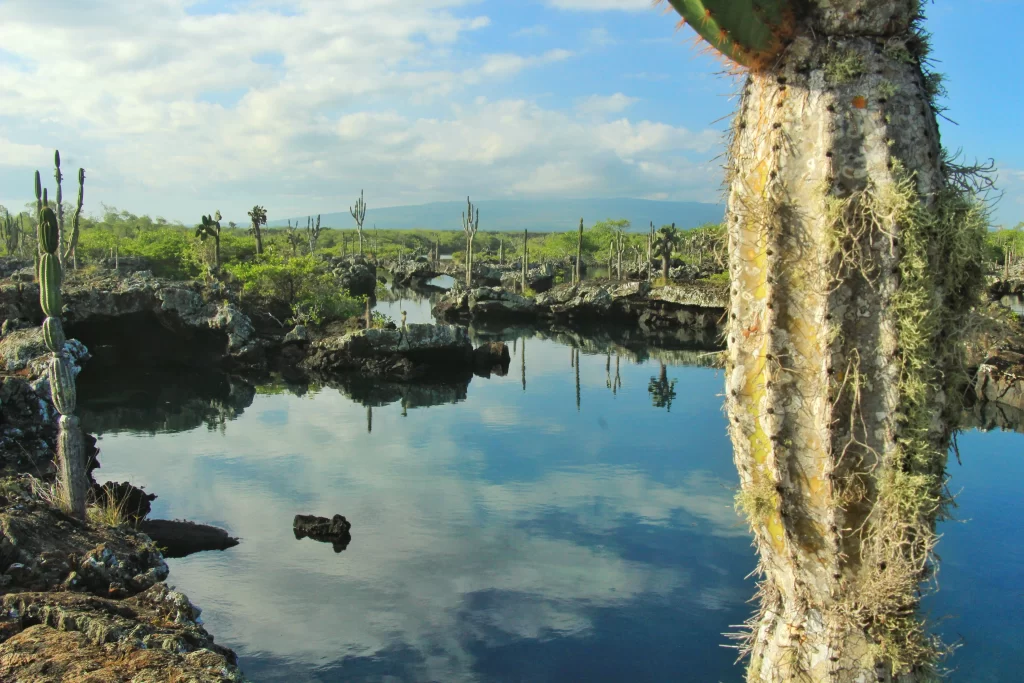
{"x":334,"y":531}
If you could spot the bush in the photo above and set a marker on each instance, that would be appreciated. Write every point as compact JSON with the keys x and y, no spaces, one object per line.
{"x":300,"y":283}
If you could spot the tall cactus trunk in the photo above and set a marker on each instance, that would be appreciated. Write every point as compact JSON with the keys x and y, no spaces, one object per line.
{"x":71,"y":470}
{"x":526,"y":268}
{"x":579,"y":254}
{"x":853,"y":265}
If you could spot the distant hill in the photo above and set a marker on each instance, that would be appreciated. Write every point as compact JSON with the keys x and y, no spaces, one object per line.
{"x":543,"y":215}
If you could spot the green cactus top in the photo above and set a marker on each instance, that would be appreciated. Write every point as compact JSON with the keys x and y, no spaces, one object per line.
{"x":748,"y":32}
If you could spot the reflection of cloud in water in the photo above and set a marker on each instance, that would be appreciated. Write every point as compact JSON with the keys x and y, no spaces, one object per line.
{"x":442,"y":559}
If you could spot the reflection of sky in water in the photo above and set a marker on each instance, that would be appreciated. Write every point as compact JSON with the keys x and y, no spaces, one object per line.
{"x":509,"y":537}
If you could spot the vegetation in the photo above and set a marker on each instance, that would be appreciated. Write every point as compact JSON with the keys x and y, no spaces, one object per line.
{"x":299,"y":283}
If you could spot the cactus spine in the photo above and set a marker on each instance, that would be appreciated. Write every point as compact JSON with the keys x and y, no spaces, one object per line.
{"x":72,"y":477}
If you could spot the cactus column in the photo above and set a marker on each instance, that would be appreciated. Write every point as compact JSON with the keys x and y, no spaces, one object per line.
{"x":855,"y":259}
{"x":72,"y":479}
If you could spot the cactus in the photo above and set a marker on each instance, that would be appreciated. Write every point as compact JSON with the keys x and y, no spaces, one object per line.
{"x":313,"y":234}
{"x":71,"y":245}
{"x":210,"y":227}
{"x":53,"y":334}
{"x":359,"y":213}
{"x":526,"y":261}
{"x":664,"y":244}
{"x":60,"y":205}
{"x":10,"y":231}
{"x":258,"y":216}
{"x":578,"y":271}
{"x":470,"y":224}
{"x":750,"y":33}
{"x":72,"y":476}
{"x":62,"y":384}
{"x":845,"y":360}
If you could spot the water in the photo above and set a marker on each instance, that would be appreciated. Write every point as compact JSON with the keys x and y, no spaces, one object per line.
{"x":517,"y":528}
{"x":1014,"y":303}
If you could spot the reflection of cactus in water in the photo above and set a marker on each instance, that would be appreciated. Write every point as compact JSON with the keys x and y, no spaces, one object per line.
{"x":662,"y":390}
{"x":72,"y":478}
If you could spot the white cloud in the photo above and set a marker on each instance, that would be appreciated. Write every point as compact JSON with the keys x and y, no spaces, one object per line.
{"x":605,"y":104}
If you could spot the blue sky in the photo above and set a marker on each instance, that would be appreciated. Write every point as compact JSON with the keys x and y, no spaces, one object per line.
{"x":177,"y":108}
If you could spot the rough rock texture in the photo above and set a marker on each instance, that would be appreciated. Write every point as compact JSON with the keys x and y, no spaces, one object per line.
{"x":43,"y":549}
{"x":694,"y":305}
{"x":539,"y":278}
{"x":153,"y":637}
{"x":403,"y":352}
{"x":1000,"y":379}
{"x":87,"y":602}
{"x":181,"y":309}
{"x":357,"y":274}
{"x":411,"y":273}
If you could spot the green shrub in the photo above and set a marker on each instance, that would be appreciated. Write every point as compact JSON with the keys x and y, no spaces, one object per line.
{"x":301,"y":283}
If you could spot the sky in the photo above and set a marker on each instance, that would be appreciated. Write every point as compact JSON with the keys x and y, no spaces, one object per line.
{"x":177,"y":108}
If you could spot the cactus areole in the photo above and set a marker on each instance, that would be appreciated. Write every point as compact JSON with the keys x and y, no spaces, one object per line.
{"x":854,"y":252}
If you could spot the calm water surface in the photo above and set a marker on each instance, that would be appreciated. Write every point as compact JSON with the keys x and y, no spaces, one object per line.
{"x":515,"y":529}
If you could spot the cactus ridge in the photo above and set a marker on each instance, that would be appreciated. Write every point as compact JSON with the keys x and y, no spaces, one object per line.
{"x":748,"y":32}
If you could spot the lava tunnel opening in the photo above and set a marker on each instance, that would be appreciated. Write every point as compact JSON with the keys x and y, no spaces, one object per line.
{"x":147,"y":340}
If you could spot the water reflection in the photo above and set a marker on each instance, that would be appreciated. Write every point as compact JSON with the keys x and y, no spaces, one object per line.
{"x":576,"y":527}
{"x":510,"y":535}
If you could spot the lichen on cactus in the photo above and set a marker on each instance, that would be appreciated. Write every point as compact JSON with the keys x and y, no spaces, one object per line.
{"x":748,"y":32}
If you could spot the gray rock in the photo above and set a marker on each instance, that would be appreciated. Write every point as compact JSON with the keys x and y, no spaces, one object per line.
{"x":298,"y":334}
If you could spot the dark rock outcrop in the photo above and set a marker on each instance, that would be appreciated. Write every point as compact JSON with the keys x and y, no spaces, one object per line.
{"x":697,"y":307}
{"x":492,"y":357}
{"x":180,"y":538}
{"x":357,"y":274}
{"x":144,"y":315}
{"x":400,"y":353}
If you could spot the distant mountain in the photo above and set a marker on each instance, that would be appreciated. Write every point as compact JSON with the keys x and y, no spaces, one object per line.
{"x":542,"y":215}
